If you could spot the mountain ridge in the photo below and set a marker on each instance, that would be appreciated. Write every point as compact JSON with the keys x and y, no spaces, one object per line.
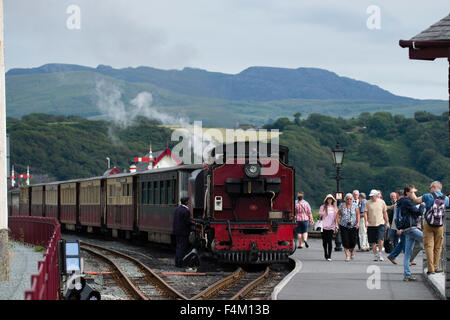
{"x":257,"y":95}
{"x":256,"y":83}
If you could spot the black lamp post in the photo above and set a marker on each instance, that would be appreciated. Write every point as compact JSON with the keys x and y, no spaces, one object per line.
{"x":338,"y":159}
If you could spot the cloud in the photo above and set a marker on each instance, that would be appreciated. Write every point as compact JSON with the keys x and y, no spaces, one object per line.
{"x":224,"y":35}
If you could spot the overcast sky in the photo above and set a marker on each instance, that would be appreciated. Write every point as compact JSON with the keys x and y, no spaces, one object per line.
{"x":231,"y":35}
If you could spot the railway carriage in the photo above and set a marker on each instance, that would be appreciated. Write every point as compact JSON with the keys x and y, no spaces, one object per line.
{"x":69,"y":201}
{"x":51,"y":204}
{"x":159,"y":193}
{"x":121,"y":201}
{"x":37,"y":201}
{"x":91,"y":205}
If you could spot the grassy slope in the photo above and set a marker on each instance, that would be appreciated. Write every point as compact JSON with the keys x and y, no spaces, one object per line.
{"x":74,"y":93}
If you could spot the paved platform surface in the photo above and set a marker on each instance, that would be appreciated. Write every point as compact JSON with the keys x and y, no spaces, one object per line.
{"x":361,"y":278}
{"x":23,"y":264}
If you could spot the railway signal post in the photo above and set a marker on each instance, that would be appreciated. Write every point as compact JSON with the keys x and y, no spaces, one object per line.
{"x":4,"y":256}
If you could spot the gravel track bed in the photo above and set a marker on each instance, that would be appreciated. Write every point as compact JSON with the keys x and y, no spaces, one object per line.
{"x":160,"y":258}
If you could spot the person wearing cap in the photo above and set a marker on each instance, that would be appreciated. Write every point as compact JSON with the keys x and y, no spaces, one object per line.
{"x":377,"y":222}
{"x":362,"y":232}
{"x":327,"y":212}
{"x":181,"y":230}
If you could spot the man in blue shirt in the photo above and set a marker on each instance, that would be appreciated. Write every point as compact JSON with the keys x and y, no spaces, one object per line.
{"x":433,"y":236}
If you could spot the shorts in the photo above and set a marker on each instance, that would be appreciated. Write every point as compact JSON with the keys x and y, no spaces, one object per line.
{"x":302,"y":227}
{"x":375,"y":233}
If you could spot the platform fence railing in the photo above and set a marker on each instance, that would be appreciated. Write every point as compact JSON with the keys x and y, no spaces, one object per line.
{"x":44,"y":232}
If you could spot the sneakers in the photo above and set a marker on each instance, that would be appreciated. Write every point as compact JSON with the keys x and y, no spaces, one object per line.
{"x":378,"y":257}
{"x":392,"y":260}
{"x":306,"y":244}
{"x":410,"y":278}
{"x":329,"y":259}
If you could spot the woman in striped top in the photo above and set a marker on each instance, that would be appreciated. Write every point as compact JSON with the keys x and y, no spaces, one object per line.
{"x":304,"y":217}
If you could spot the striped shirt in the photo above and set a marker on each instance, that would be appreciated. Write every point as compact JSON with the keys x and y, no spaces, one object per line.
{"x":302,"y":211}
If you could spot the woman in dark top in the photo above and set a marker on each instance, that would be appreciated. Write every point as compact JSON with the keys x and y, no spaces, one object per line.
{"x":348,"y":221}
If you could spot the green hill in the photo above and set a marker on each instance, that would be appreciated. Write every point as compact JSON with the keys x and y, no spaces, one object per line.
{"x":257,"y":95}
{"x":382,"y":151}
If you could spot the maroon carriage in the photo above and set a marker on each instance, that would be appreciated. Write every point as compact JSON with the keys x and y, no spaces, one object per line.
{"x":68,"y":205}
{"x":51,"y":200}
{"x":37,"y":200}
{"x":160,"y":191}
{"x":120,"y":204}
{"x":91,"y":206}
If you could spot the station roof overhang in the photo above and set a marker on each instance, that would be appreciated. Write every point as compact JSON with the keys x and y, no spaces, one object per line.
{"x":432,"y":43}
{"x":427,"y":50}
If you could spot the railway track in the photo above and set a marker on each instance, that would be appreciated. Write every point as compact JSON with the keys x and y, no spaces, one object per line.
{"x":237,"y":286}
{"x":139,"y":281}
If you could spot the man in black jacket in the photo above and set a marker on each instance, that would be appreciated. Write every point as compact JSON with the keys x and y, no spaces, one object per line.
{"x":409,"y":226}
{"x":181,"y":229}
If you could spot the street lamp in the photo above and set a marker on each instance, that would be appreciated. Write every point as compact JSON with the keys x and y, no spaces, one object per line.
{"x":338,"y":159}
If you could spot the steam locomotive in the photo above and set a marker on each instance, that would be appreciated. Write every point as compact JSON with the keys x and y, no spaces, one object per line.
{"x":241,"y":212}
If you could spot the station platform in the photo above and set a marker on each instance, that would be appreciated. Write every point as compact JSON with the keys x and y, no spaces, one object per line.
{"x":23,"y":264}
{"x":360,"y":279}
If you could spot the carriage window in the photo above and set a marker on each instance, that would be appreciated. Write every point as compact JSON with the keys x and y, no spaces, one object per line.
{"x":157,"y":194}
{"x":151,"y":198}
{"x":170,"y":192}
{"x":144,"y":193}
{"x":163,"y":185}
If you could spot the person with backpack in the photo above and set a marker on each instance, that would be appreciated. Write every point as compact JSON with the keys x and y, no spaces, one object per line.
{"x":433,"y":226}
{"x":407,"y":225}
{"x":398,"y":219}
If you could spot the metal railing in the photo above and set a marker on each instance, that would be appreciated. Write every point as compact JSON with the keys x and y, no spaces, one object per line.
{"x":45,"y":232}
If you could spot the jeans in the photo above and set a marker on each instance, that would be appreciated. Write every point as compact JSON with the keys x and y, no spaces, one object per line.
{"x":411,"y":235}
{"x":399,"y":247}
{"x":393,"y":236}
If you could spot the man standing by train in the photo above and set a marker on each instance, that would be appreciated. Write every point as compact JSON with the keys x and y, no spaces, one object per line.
{"x":181,"y":229}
